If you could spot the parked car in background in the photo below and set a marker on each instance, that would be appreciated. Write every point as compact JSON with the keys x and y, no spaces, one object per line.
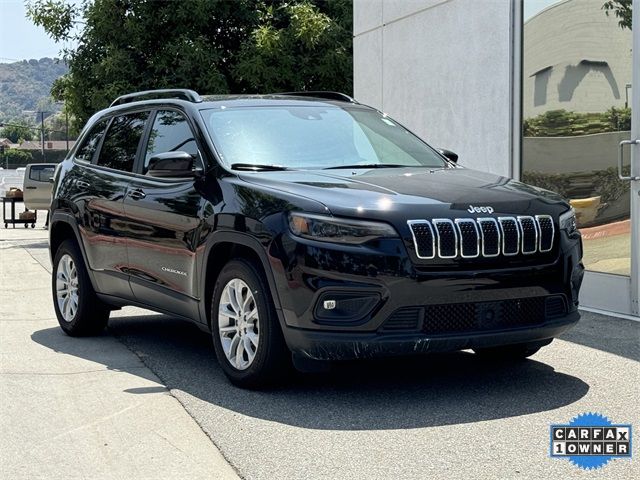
{"x":38,"y":186}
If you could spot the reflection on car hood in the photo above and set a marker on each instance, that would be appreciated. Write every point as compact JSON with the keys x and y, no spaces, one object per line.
{"x":412,"y":192}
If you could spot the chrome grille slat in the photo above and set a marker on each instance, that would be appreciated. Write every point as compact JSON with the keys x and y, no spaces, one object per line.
{"x":447,"y":237}
{"x":529,"y":234}
{"x":482,"y":237}
{"x":423,"y":238}
{"x":490,"y":236}
{"x":510,"y":235}
{"x":469,"y":237}
{"x":547,"y":231}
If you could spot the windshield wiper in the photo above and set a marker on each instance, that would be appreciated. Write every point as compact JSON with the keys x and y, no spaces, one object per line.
{"x":369,"y":165}
{"x":256,"y":167}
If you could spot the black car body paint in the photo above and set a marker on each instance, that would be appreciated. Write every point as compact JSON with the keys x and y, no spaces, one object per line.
{"x":160,"y":247}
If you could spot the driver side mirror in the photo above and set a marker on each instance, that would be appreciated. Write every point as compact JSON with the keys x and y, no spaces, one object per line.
{"x":176,"y":164}
{"x":451,"y":156}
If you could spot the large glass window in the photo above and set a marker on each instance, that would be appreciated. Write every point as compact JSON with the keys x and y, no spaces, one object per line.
{"x":315,"y":137}
{"x":576,"y":93}
{"x":170,"y":133}
{"x":121,"y":142}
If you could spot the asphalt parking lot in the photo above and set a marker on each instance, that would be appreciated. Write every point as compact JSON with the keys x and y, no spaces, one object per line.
{"x":445,"y":416}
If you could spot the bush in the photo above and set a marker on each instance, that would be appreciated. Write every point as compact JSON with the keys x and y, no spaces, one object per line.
{"x":561,"y":123}
{"x":619,"y":118}
{"x":15,"y":158}
{"x":603,"y":183}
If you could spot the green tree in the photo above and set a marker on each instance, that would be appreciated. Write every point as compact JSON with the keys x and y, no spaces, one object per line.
{"x":621,"y":9}
{"x":299,"y":46}
{"x":56,"y":127}
{"x":212,"y":46}
{"x":17,"y":131}
{"x":47,"y":105}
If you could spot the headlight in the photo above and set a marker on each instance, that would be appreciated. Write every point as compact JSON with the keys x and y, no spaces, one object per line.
{"x":568,"y":222}
{"x":337,"y":230}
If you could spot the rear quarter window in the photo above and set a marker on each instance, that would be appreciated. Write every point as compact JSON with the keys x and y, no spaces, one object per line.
{"x":90,"y":144}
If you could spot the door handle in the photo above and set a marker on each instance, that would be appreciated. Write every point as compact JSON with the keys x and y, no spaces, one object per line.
{"x":137,"y":194}
{"x":31,"y":187}
{"x":82,"y":184}
{"x":620,"y":154}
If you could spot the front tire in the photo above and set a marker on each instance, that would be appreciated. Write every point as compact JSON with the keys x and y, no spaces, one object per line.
{"x":246,"y":334}
{"x":79,"y":311}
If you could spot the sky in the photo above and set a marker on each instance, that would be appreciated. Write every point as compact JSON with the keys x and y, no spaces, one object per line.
{"x":20,"y":39}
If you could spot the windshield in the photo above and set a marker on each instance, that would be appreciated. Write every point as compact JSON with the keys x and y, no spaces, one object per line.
{"x":315,"y":137}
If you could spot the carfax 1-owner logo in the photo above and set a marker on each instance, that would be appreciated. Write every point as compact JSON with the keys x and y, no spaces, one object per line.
{"x":590,"y":440}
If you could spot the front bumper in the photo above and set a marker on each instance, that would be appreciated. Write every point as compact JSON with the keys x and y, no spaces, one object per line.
{"x":323,"y":345}
{"x":389,"y":304}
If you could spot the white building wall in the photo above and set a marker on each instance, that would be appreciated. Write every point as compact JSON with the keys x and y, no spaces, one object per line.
{"x":443,"y":69}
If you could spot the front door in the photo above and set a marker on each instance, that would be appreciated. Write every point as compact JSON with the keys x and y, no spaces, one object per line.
{"x":163,"y":223}
{"x":581,"y":125}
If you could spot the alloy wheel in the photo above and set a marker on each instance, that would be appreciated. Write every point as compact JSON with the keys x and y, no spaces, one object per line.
{"x":238,"y":324}
{"x":67,"y":287}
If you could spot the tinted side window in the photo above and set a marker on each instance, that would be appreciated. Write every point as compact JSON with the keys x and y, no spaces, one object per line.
{"x":121,"y":142}
{"x":170,"y":133}
{"x":41,"y":173}
{"x":88,"y":149}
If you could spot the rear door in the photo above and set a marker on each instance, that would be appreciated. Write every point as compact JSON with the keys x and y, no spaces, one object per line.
{"x":37,"y":185}
{"x":163,"y":218}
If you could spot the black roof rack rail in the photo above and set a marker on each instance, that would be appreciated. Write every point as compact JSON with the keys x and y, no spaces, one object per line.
{"x":342,"y":97}
{"x":181,"y":93}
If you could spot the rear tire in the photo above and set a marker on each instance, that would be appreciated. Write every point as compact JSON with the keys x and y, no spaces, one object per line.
{"x":79,"y":311}
{"x":247,"y":337}
{"x":518,"y":351}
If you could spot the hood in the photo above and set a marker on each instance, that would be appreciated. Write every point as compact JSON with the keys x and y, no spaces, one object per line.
{"x":411,"y":193}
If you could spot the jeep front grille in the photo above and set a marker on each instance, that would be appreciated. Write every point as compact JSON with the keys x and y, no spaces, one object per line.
{"x":482,"y":237}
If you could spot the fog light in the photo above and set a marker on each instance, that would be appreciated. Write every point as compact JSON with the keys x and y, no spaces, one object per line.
{"x":329,"y":304}
{"x":345,"y":307}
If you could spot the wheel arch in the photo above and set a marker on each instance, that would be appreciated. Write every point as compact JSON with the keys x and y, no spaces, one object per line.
{"x":223,"y":247}
{"x":62,"y":226}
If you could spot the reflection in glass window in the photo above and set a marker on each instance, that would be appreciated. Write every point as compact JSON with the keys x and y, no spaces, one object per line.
{"x":121,"y":142}
{"x":575,"y":112}
{"x":170,"y":133}
{"x":88,"y":149}
{"x":315,"y":137}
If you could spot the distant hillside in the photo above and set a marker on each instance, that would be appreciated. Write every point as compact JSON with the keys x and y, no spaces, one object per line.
{"x":22,"y":84}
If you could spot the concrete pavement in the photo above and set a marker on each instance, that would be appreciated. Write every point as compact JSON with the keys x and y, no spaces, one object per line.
{"x":446,"y":416}
{"x":82,"y":408}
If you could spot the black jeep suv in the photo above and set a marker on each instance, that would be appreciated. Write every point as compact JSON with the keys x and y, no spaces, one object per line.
{"x":304,"y":223}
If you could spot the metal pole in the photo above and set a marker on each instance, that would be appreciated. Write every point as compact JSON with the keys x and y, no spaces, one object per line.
{"x":635,"y":162}
{"x":42,"y":132}
{"x":66,"y":134}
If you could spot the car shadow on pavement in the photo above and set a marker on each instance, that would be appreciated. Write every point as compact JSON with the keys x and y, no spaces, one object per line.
{"x":392,"y":393}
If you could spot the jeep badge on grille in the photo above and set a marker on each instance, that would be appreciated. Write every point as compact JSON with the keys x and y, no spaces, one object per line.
{"x":485,"y":209}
